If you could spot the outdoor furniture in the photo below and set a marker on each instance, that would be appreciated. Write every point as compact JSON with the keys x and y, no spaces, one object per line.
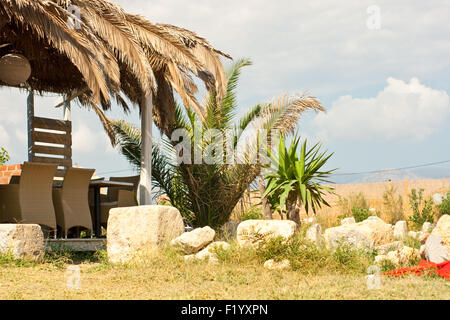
{"x":30,"y":201}
{"x":14,"y":180}
{"x":60,"y":139}
{"x":96,"y":185}
{"x":117,"y":198}
{"x":71,"y":200}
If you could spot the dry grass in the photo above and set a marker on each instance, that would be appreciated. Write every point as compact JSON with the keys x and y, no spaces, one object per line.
{"x":165,"y":275}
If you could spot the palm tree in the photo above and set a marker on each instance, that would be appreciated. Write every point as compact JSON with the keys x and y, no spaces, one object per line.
{"x":206,"y":194}
{"x":295,"y":179}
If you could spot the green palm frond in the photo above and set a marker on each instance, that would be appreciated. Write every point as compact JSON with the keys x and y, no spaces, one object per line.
{"x":245,"y":121}
{"x":129,"y":141}
{"x":221,"y":113}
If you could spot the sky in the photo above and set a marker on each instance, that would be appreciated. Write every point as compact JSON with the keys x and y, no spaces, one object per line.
{"x":380,"y":68}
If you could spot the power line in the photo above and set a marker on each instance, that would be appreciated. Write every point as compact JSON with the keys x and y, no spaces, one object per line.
{"x":335,"y":174}
{"x":389,"y":170}
{"x":118,"y":171}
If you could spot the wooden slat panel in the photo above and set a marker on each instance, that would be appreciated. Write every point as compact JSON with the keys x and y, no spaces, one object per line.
{"x":46,"y":137}
{"x":67,"y":152}
{"x":60,"y":173}
{"x":61,"y":162}
{"x":52,"y":124}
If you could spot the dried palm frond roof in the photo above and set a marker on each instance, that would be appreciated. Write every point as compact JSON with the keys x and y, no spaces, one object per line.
{"x":62,"y":59}
{"x":110,"y":53}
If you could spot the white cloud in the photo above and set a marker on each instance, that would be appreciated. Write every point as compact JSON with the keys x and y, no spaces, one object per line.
{"x":4,"y":136}
{"x":86,"y":140}
{"x":400,"y":111}
{"x":322,"y":46}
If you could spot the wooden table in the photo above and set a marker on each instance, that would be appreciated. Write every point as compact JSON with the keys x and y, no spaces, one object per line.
{"x":97,"y":185}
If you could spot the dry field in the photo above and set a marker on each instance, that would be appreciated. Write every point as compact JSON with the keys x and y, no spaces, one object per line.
{"x":165,"y":275}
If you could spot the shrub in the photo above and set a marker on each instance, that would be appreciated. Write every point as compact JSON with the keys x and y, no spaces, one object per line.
{"x":306,"y":257}
{"x":8,"y":259}
{"x":328,"y":218}
{"x":422,"y":209}
{"x":412,"y":242}
{"x":254,"y":213}
{"x":354,"y":203}
{"x":392,"y":206}
{"x":361,"y":214}
{"x":444,"y":207}
{"x":387,"y":266}
{"x":4,"y":156}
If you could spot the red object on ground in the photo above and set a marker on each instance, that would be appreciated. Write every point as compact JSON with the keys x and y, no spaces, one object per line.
{"x":442,"y":269}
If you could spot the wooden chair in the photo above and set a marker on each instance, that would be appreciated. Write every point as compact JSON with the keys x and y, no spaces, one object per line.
{"x":71,"y":200}
{"x":119,"y":197}
{"x":30,"y":200}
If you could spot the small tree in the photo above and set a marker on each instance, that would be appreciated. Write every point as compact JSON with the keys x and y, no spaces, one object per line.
{"x":393,"y":207}
{"x":4,"y":156}
{"x":422,"y":209}
{"x":444,"y":207}
{"x":296,"y":178}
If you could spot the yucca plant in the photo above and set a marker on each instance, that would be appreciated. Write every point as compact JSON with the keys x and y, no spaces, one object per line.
{"x":296,"y":179}
{"x":206,"y":193}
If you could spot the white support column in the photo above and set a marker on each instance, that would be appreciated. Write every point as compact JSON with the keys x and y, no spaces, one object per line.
{"x":146,"y":151}
{"x":67,"y":109}
{"x":67,"y":117}
{"x":30,"y":115}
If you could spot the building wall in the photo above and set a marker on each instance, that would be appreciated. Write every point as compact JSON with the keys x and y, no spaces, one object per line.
{"x":7,"y":171}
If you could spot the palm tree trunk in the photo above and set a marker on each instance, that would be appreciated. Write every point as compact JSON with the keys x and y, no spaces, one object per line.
{"x":293,"y":211}
{"x":265,"y":203}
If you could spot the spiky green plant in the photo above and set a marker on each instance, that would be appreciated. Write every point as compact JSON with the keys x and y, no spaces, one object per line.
{"x":296,"y":179}
{"x":206,"y":194}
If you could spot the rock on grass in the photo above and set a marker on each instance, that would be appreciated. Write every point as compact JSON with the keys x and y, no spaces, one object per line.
{"x":192,"y":242}
{"x":22,"y":241}
{"x":254,"y":232}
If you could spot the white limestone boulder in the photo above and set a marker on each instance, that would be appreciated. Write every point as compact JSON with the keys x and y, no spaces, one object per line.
{"x":427,"y":227}
{"x":366,"y":234}
{"x":434,"y":250}
{"x":23,"y":241}
{"x":314,"y":234}
{"x":277,"y":265}
{"x":348,"y":221}
{"x":401,"y":230}
{"x":384,"y":249}
{"x":399,"y":258}
{"x":443,"y":230}
{"x":414,"y":234}
{"x":254,"y":232}
{"x":209,"y":253}
{"x":192,"y":242}
{"x":134,"y":230}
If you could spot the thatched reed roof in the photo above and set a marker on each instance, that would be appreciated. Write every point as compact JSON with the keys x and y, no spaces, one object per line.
{"x":111,"y":55}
